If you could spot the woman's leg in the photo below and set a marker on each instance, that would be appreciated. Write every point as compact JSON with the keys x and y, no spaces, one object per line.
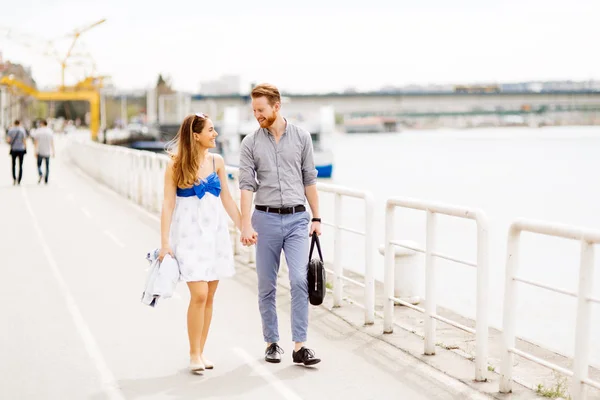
{"x":195,"y":317}
{"x":208,"y":310}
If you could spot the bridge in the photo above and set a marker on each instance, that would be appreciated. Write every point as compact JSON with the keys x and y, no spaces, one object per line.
{"x":426,"y":104}
{"x":74,"y":326}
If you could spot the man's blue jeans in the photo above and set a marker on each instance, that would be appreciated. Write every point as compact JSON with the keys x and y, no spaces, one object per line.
{"x":39,"y":165}
{"x":287,"y":232}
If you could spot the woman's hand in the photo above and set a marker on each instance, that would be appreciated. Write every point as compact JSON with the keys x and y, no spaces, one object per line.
{"x":248,"y":236}
{"x":164,"y":251}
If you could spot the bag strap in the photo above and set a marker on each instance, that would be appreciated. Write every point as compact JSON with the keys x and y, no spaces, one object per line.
{"x":12,"y":142}
{"x":315,"y":240}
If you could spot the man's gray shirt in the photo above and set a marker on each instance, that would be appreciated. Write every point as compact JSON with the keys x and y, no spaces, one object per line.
{"x":277,"y":172}
{"x":17,"y":137}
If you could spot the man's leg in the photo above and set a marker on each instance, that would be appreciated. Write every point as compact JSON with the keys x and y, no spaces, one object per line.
{"x":21,"y":156}
{"x":14,"y":164}
{"x":295,"y":247}
{"x":47,"y":160}
{"x":39,"y":165}
{"x":268,"y":253}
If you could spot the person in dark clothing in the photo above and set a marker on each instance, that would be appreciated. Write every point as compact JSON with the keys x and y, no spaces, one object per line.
{"x":17,"y":138}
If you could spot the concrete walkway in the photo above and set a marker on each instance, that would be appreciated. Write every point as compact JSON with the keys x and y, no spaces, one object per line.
{"x":73,"y":326}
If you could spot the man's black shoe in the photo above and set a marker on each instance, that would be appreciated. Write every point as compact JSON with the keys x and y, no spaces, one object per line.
{"x":305,"y":356}
{"x":273,"y":353}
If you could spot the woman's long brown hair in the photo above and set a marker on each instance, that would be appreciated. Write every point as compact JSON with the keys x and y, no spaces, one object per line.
{"x":184,"y":151}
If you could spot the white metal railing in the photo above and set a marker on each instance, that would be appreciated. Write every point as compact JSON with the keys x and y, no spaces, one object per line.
{"x":338,"y":271}
{"x":138,"y":175}
{"x":481,"y":324}
{"x":588,"y":239}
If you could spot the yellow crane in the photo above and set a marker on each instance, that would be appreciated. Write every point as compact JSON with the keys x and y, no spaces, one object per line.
{"x":75,"y":35}
{"x":84,"y":93}
{"x":87,"y":89}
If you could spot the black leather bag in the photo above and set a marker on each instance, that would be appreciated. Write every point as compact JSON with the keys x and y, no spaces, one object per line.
{"x":316,"y":274}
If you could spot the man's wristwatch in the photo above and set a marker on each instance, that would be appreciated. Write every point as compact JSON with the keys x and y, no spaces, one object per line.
{"x":316,"y":220}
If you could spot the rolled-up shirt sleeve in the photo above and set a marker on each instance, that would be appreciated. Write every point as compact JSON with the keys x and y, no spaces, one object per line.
{"x":309,"y":172}
{"x":246,"y":171}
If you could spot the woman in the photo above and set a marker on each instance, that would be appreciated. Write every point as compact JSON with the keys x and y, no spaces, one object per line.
{"x":194,"y":227}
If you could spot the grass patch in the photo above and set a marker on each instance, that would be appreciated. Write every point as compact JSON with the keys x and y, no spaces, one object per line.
{"x":559,"y":389}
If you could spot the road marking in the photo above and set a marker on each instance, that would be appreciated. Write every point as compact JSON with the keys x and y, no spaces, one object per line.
{"x":277,"y":384}
{"x":114,"y":238}
{"x":86,"y":212}
{"x":108,"y":380}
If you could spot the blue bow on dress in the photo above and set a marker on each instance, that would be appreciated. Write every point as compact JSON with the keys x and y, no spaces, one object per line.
{"x":211,"y":184}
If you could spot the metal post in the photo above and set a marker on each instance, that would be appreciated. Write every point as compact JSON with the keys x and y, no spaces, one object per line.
{"x":582,"y":327}
{"x":430,"y":295}
{"x":337,"y":252}
{"x":145,"y":171}
{"x":151,"y":106}
{"x":510,"y":305}
{"x":212,"y":108}
{"x":369,"y":263}
{"x":180,"y":102}
{"x":159,"y":184}
{"x":187,"y":104}
{"x":161,"y":109}
{"x":481,"y":323}
{"x":124,"y":110}
{"x":121,"y":177}
{"x":139,"y":183}
{"x":388,"y":280}
{"x":131,"y":175}
{"x":3,"y":123}
{"x":103,"y":114}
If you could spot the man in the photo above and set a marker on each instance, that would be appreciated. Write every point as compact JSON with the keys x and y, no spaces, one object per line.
{"x":277,"y":163}
{"x":44,"y":148}
{"x":17,"y":137}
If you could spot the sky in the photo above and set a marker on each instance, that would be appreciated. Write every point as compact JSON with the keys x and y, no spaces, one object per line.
{"x":313,"y":46}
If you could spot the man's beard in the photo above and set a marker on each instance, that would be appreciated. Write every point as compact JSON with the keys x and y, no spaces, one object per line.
{"x":269,"y":121}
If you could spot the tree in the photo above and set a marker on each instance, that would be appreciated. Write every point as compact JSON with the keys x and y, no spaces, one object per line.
{"x":163,"y":86}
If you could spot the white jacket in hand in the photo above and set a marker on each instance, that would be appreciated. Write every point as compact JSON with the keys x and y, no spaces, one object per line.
{"x":161,"y":280}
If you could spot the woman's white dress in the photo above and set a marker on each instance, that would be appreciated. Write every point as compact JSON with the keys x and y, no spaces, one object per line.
{"x":200,"y":233}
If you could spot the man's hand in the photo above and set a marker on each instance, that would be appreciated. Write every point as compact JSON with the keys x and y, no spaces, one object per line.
{"x":248,"y":236}
{"x":315,"y":226}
